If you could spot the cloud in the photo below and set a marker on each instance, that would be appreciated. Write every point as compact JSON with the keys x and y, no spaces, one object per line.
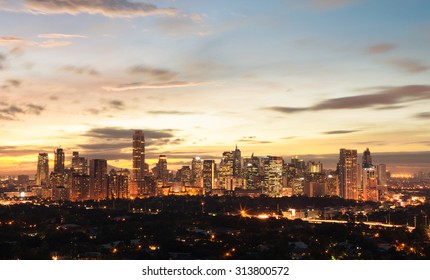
{"x":108,"y":8}
{"x":35,"y":109}
{"x":252,"y":140}
{"x":44,"y":44}
{"x":121,"y":133}
{"x":11,"y":39}
{"x":81,"y":70}
{"x":408,"y":65}
{"x":12,"y":111}
{"x":53,"y":44}
{"x":387,"y":97}
{"x":11,"y":83}
{"x":2,"y":61}
{"x":340,"y":131}
{"x":154,"y":73}
{"x":380,"y":48}
{"x":173,"y":112}
{"x":145,"y":85}
{"x":116,"y":104}
{"x":423,"y":115}
{"x":59,"y":36}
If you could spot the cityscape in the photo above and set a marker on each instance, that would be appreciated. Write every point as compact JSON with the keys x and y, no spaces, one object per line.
{"x":214,"y":130}
{"x":211,"y":209}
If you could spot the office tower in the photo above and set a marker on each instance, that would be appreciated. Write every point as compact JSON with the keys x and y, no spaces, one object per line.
{"x":80,"y":188}
{"x":59,"y":159}
{"x":348,"y":174}
{"x":208,"y":175}
{"x":160,"y":171}
{"x":196,"y":172}
{"x":382,"y":174}
{"x":79,"y":164}
{"x":368,"y":178}
{"x":98,"y":179}
{"x":138,"y":170}
{"x":42,"y":176}
{"x":332,"y":185}
{"x":314,"y":167}
{"x":237,"y":163}
{"x":118,"y":183}
{"x":225,"y":172}
{"x":273,"y":175}
{"x":184,"y":175}
{"x":367,"y":158}
{"x":251,"y":172}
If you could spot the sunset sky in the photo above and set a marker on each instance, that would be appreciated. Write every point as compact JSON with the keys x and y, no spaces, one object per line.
{"x":198,"y":77}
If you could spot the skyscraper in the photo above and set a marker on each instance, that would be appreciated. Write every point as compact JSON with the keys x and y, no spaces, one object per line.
{"x":59,"y":161}
{"x":273,"y":175}
{"x":382,"y":174}
{"x":42,"y":176}
{"x":196,"y":172}
{"x":79,"y":164}
{"x":98,"y":179}
{"x":208,"y":175}
{"x":348,"y":174}
{"x":138,"y":170}
{"x":160,"y":170}
{"x":367,"y":158}
{"x":237,"y":163}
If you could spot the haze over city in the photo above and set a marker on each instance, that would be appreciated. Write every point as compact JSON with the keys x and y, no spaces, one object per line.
{"x":279,"y":78}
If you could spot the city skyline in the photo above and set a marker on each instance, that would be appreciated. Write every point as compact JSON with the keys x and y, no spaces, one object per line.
{"x":276,"y":78}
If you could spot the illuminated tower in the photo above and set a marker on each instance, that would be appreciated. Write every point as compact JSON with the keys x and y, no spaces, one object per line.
{"x":272,"y":175}
{"x":138,"y":171}
{"x":348,"y":174}
{"x":225,"y":172}
{"x":251,"y":171}
{"x":59,"y":161}
{"x":196,"y":172}
{"x":368,"y":178}
{"x":118,"y":183}
{"x":98,"y":179}
{"x":237,"y":163}
{"x":208,"y":174}
{"x":42,"y":176}
{"x":161,"y":172}
{"x":79,"y":164}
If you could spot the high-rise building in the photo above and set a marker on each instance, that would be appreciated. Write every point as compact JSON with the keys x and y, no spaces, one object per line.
{"x":42,"y":176}
{"x":348,"y":174}
{"x":382,"y":174}
{"x":368,"y":178}
{"x":251,"y":172}
{"x":273,"y":175}
{"x":118,"y":183}
{"x":367,"y":159}
{"x":59,"y":160}
{"x":160,"y":171}
{"x":80,"y":188}
{"x":314,"y":167}
{"x":79,"y":164}
{"x":184,"y":175}
{"x":196,"y":172}
{"x":208,"y":175}
{"x":138,"y":170}
{"x":98,"y":179}
{"x":225,"y":172}
{"x":237,"y":163}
